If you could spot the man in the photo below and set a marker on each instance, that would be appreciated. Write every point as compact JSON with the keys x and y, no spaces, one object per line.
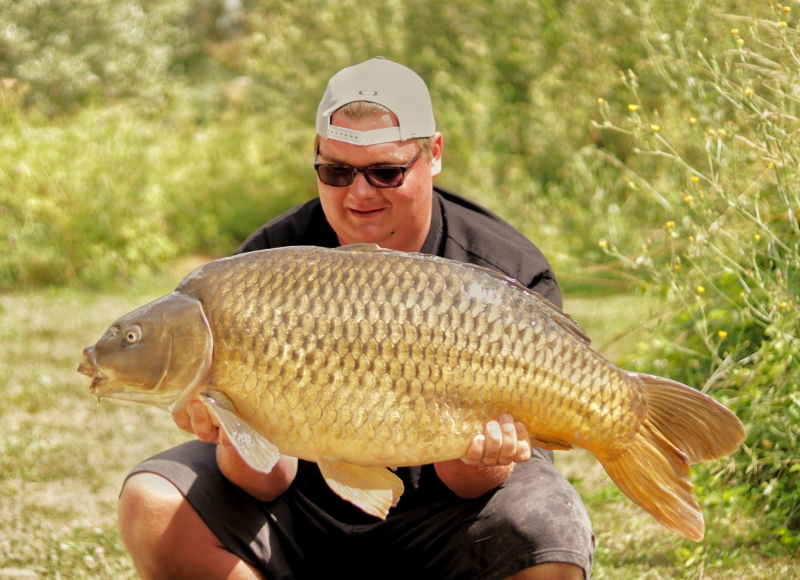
{"x":503,"y":511}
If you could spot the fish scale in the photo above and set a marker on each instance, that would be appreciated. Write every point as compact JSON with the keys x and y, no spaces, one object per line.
{"x":355,"y":301}
{"x":360,"y":358}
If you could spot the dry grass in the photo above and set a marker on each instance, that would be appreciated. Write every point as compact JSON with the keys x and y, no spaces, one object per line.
{"x":64,"y":456}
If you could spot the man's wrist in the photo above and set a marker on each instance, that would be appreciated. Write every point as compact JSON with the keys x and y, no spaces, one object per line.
{"x":260,"y":485}
{"x":469,"y":482}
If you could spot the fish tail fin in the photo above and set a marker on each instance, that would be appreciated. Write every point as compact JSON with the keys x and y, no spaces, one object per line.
{"x":683,"y":426}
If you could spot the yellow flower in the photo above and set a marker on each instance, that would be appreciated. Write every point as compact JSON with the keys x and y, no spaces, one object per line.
{"x":670,"y":224}
{"x":757,"y":238}
{"x":701,"y":290}
{"x":667,"y":265}
{"x":712,"y":133}
{"x":692,"y":120}
{"x":739,"y":42}
{"x":787,"y":9}
{"x":734,"y":31}
{"x":766,"y":444}
{"x":655,"y":128}
{"x":782,"y":24}
{"x":741,"y":295}
{"x":722,"y":334}
{"x":700,"y":192}
{"x":772,"y":165}
{"x":722,"y":133}
{"x":600,"y":101}
{"x":688,"y":199}
{"x":694,"y":178}
{"x":748,"y":92}
{"x":633,"y":108}
{"x":691,"y":239}
{"x":677,"y":267}
{"x":784,"y":305}
{"x":603,"y":244}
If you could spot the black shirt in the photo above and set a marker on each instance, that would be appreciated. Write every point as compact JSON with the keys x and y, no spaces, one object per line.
{"x":460,"y":230}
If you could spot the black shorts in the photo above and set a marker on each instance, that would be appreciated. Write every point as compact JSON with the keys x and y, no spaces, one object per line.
{"x":535,"y":517}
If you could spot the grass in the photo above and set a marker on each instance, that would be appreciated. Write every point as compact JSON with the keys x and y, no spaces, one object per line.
{"x":64,"y":456}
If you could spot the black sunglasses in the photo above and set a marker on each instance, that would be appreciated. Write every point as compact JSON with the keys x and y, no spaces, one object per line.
{"x":376,"y":175}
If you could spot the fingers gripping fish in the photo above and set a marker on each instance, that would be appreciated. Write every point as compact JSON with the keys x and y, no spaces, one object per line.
{"x":361,"y":358}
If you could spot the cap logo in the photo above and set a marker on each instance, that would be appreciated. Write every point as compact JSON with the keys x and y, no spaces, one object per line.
{"x":368,"y":93}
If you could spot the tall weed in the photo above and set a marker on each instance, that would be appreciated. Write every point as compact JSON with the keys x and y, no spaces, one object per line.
{"x":721,"y":162}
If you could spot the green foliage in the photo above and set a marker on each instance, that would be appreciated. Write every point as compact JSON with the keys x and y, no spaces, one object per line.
{"x":74,"y":52}
{"x":191,"y":121}
{"x":721,"y":159}
{"x":111,"y":193}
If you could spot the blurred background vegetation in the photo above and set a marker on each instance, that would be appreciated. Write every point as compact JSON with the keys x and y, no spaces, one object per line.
{"x":644,"y":145}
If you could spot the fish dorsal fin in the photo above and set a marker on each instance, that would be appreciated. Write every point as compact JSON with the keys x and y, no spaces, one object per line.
{"x":560,"y":317}
{"x":552,"y":443}
{"x":373,"y":489}
{"x":256,"y":450}
{"x":362,"y":248}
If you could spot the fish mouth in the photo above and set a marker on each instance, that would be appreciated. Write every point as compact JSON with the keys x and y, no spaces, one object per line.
{"x":88,"y":364}
{"x":88,"y":368}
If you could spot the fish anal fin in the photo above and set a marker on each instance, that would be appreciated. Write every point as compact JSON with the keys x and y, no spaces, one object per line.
{"x":254,"y":448}
{"x":655,"y":474}
{"x":552,"y":443}
{"x":373,"y":489}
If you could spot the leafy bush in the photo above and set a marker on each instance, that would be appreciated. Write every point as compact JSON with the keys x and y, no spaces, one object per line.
{"x":221,"y":94}
{"x":111,"y":194}
{"x":721,"y":162}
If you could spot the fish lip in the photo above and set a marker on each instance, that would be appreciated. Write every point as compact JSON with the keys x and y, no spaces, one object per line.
{"x":88,"y":364}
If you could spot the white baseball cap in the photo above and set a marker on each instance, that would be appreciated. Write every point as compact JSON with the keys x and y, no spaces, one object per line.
{"x":387,"y":83}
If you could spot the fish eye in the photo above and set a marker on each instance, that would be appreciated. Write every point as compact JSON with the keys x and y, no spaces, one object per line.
{"x":133,"y":334}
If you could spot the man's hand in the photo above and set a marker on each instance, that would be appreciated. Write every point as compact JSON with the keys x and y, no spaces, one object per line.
{"x":502,"y":442}
{"x":196,"y":419}
{"x":489,"y":460}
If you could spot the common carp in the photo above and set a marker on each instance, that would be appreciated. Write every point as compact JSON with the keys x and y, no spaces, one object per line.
{"x":361,"y":358}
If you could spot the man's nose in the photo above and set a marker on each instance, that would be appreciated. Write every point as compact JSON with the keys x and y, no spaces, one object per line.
{"x":361,"y":188}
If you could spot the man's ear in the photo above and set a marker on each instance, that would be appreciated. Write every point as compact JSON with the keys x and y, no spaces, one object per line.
{"x":436,"y":162}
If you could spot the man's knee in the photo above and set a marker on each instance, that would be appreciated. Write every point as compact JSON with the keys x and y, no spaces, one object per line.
{"x":168,"y":539}
{"x":550,"y":571}
{"x":148,"y":509}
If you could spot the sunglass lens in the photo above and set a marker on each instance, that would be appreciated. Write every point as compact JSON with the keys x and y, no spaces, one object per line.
{"x":385,"y":176}
{"x":336,"y":176}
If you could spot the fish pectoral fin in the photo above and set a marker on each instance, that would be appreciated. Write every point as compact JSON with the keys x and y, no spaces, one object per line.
{"x":373,"y":489}
{"x":552,"y":443}
{"x":260,"y":453}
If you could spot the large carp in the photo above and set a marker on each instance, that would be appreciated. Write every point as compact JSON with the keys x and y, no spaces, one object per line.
{"x":361,"y":358}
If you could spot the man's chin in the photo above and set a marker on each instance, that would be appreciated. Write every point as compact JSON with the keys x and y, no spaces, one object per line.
{"x":359,"y":236}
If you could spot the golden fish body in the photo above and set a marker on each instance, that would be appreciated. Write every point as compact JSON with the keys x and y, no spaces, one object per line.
{"x":365,"y":357}
{"x":388,"y":359}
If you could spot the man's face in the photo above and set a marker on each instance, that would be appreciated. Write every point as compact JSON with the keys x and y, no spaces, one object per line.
{"x":396,"y":218}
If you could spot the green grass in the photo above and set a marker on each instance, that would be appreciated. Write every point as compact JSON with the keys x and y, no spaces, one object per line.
{"x":63,"y":455}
